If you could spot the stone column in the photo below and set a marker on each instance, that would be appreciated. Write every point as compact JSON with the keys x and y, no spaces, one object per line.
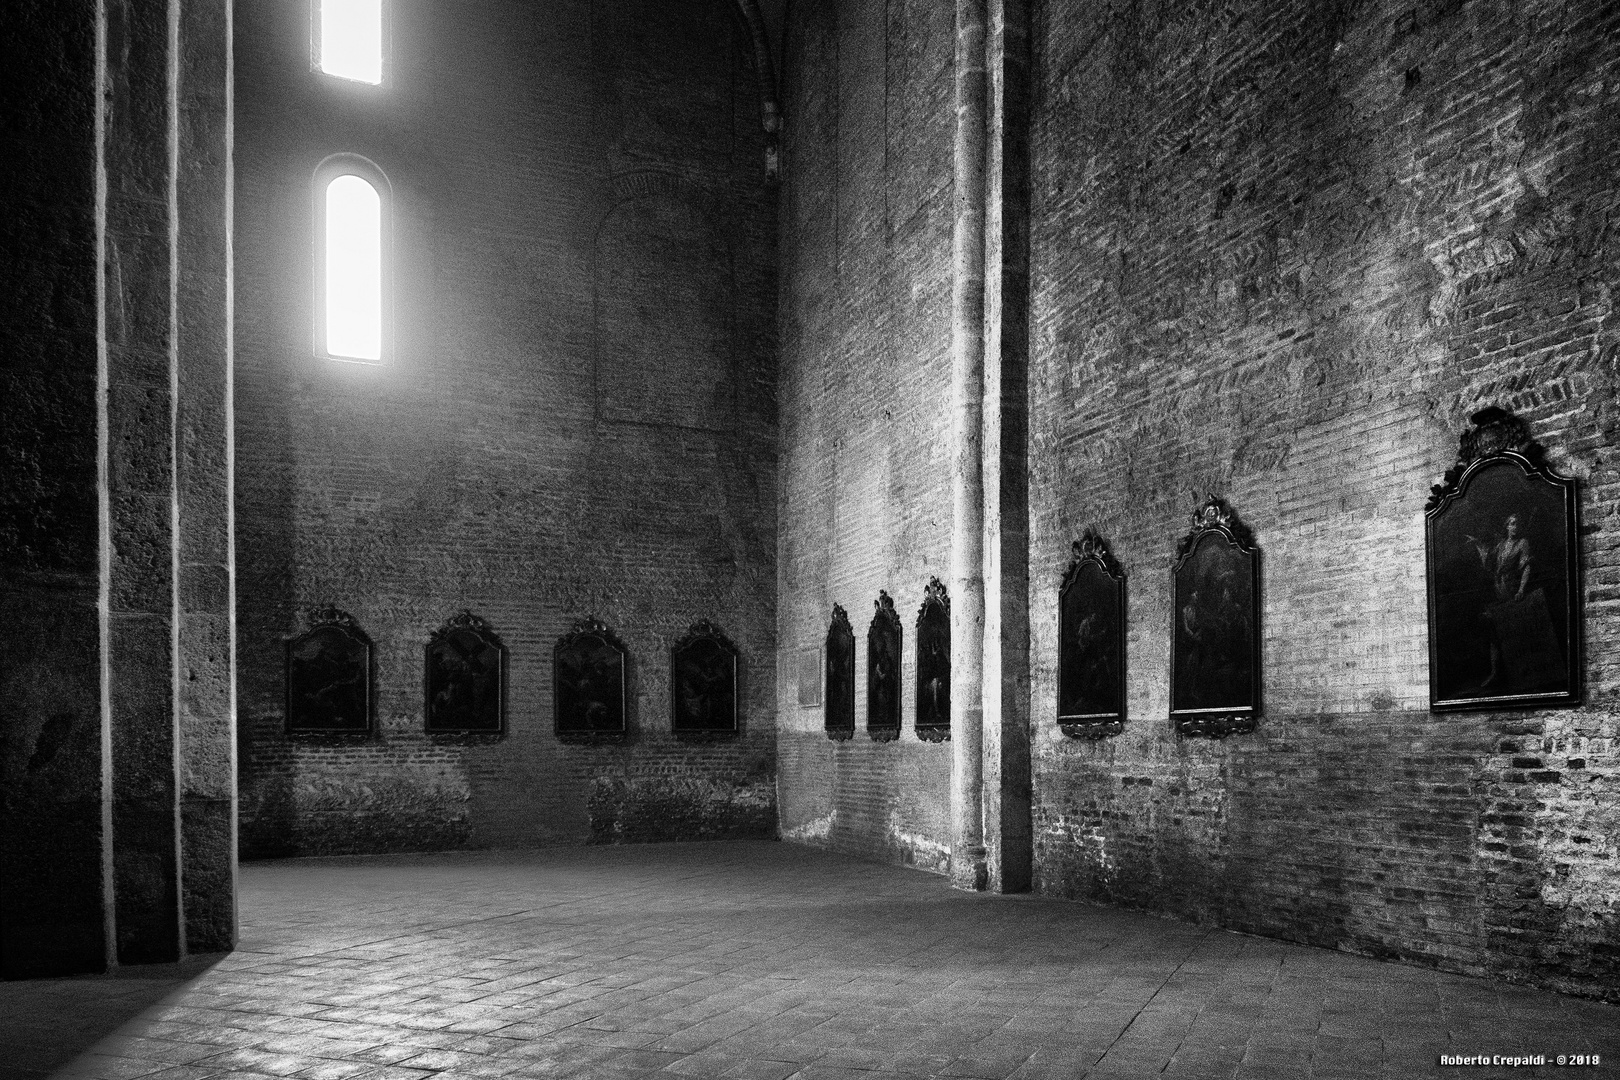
{"x":205,"y":642}
{"x":137,"y":158}
{"x":967,"y":461}
{"x":52,"y":915}
{"x":167,"y":646}
{"x":1006,"y":454}
{"x":116,"y":771}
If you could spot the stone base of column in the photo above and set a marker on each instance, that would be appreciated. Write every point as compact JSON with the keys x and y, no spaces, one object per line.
{"x":970,"y":870}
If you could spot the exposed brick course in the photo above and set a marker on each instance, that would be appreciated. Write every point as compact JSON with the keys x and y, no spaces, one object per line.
{"x":866,"y":372}
{"x":1281,"y":253}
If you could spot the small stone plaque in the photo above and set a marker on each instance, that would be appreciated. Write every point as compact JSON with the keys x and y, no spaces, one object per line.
{"x":808,"y":664}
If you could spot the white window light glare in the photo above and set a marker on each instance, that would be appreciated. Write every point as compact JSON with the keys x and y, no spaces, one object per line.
{"x":351,"y":39}
{"x":354,"y":270}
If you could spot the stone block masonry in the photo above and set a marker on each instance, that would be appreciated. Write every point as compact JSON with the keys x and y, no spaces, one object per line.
{"x":117,"y":831}
{"x":579,"y":420}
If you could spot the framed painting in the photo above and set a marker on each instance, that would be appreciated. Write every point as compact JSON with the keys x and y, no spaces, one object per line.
{"x":1091,"y":642}
{"x":464,"y":678}
{"x":933,"y":721}
{"x":329,"y":676}
{"x":703,"y":684}
{"x":1501,"y":535}
{"x":1215,"y":643}
{"x":589,"y":677}
{"x":883,"y":671}
{"x":838,"y":714}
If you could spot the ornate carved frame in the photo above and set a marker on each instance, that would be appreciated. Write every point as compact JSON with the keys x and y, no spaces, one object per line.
{"x":1215,"y":519}
{"x":325,"y":621}
{"x":840,"y":649}
{"x":466,"y":622}
{"x":700,"y":632}
{"x":1497,"y":437}
{"x":885,"y":620}
{"x":1092,"y":551}
{"x":585,"y":630}
{"x":936,"y":607}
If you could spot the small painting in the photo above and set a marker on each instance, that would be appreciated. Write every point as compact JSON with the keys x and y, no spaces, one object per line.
{"x":1215,"y":646}
{"x":933,"y":721}
{"x":329,"y":676}
{"x":1091,"y":642}
{"x":464,"y":680}
{"x":703,"y":683}
{"x":589,"y":672}
{"x":883,"y":671}
{"x":838,"y":715}
{"x":1504,"y":604}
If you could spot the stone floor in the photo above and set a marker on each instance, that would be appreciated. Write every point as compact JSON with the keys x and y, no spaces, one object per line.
{"x":757,"y":961}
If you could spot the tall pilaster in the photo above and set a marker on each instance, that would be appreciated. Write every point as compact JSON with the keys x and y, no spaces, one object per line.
{"x":1006,"y":453}
{"x":967,"y":451}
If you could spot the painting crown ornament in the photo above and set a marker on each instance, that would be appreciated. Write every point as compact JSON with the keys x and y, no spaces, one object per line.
{"x":934,"y":595}
{"x":1092,"y":547}
{"x":332,"y":616}
{"x":465,"y":620}
{"x":1214,"y":514}
{"x":885,"y":607}
{"x":1493,"y":431}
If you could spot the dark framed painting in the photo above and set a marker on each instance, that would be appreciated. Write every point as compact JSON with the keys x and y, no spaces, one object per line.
{"x":1503,"y":566}
{"x":883,"y":671}
{"x":933,"y":721}
{"x":1091,"y":642}
{"x":589,"y":676}
{"x":838,"y":714}
{"x":703,"y":683}
{"x":329,"y":676}
{"x":1215,"y":644}
{"x":464,"y":678}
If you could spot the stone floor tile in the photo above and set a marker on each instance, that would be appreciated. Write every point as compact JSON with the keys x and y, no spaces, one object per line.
{"x":753,"y":961}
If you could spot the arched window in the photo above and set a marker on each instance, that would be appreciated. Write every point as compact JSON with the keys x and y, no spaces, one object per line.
{"x":352,"y":273}
{"x":349,"y":39}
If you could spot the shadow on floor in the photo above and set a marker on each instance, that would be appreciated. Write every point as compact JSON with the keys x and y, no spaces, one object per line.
{"x":47,"y":1023}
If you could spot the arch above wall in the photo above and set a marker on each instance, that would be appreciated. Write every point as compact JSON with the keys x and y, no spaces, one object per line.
{"x":765,"y":68}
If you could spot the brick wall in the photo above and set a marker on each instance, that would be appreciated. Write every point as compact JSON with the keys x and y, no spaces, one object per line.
{"x":1281,"y":252}
{"x":865,"y":488}
{"x":579,"y":421}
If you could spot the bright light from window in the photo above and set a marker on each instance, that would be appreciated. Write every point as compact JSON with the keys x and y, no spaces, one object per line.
{"x":354,"y":315}
{"x":351,"y":39}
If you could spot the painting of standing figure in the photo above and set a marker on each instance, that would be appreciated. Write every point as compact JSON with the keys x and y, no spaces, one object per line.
{"x":329,"y":676}
{"x":883,"y":671}
{"x":589,"y":689}
{"x":1503,"y":603}
{"x":933,"y":721}
{"x":464,"y":681}
{"x":703,"y":682}
{"x":1091,"y":642}
{"x":1215,"y":643}
{"x":838,"y":714}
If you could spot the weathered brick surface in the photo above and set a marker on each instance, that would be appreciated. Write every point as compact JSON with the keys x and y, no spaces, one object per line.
{"x":865,"y":484}
{"x":1281,"y":252}
{"x":579,"y":420}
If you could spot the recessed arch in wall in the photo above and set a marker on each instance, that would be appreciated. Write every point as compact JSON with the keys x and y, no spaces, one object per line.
{"x":664,"y":297}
